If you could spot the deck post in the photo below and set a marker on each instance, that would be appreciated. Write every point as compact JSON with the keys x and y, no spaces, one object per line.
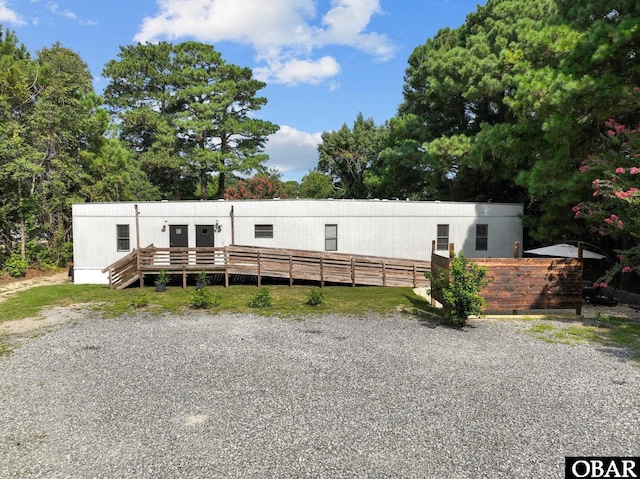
{"x":259,"y":271}
{"x":353,"y":272}
{"x":384,"y":274}
{"x":184,"y":279}
{"x":290,"y":270}
{"x":415,"y":276}
{"x":110,"y":278}
{"x":226,"y":268}
{"x":580,"y":256}
{"x":322,"y":270}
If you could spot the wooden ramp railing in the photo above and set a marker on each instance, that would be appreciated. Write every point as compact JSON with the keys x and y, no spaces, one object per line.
{"x":123,"y":272}
{"x":262,"y":263}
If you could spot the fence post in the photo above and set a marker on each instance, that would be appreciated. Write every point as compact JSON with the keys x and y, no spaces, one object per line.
{"x":259,"y":272}
{"x":580,"y":256}
{"x":226,"y":268}
{"x":353,"y":272}
{"x":452,"y":250}
{"x":290,"y":270}
{"x":384,"y":273}
{"x":516,"y":250}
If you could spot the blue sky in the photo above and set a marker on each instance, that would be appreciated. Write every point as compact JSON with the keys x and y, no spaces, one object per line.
{"x":324,"y":61}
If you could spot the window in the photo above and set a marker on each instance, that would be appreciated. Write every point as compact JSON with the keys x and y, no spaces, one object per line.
{"x":331,"y":237}
{"x":442,"y":243}
{"x":123,"y":238}
{"x":482,"y":237}
{"x":264,"y":231}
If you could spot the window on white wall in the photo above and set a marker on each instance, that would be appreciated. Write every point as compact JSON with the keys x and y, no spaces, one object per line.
{"x":482,"y":237}
{"x":264,"y":231}
{"x":123,"y":238}
{"x":331,"y":237}
{"x":442,"y":241}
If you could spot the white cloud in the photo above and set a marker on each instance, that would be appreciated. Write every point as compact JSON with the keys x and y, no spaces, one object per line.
{"x":53,"y":7}
{"x":9,"y":16}
{"x":283,"y":33}
{"x":293,"y":152}
{"x":298,"y":71}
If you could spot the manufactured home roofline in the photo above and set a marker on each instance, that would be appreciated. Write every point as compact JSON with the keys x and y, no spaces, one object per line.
{"x":332,"y":200}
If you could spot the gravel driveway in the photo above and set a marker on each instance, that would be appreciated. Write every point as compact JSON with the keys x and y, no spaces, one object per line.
{"x":246,"y":396}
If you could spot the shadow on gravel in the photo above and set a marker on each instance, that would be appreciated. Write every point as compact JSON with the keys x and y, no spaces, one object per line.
{"x":428,"y":315}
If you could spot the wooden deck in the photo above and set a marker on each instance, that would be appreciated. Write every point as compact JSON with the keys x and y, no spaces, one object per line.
{"x":259,"y":263}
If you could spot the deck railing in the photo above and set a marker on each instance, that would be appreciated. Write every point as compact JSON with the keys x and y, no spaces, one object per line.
{"x":323,"y":267}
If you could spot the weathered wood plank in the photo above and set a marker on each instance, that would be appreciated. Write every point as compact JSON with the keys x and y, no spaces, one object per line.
{"x":526,"y":283}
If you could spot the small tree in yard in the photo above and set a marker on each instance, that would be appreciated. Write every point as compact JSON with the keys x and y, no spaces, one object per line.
{"x":613,"y":207}
{"x":461,"y":292}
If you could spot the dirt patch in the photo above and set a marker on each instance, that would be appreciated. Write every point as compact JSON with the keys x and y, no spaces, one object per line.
{"x":50,"y":317}
{"x":33,"y":278}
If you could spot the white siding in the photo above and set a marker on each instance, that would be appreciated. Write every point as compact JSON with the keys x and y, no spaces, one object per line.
{"x":382,"y":228}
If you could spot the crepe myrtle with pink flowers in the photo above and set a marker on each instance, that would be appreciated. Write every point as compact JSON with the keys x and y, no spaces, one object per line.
{"x":614,"y":209}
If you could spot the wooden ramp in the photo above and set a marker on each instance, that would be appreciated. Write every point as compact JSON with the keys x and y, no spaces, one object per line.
{"x":259,"y":263}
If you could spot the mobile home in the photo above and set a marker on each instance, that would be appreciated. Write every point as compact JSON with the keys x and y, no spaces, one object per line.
{"x":106,"y":232}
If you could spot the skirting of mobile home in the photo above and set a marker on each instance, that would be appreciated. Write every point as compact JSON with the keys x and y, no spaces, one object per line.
{"x":105,"y":232}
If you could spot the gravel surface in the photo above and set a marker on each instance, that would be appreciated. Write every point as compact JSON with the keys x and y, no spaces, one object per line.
{"x":246,"y":396}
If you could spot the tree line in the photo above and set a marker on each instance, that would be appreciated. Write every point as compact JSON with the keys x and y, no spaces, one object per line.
{"x":505,"y":108}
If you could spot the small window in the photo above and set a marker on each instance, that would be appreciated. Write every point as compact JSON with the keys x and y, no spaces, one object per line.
{"x":123,"y":238}
{"x":331,"y":237}
{"x":264,"y":231}
{"x":442,"y":243}
{"x":482,"y":237}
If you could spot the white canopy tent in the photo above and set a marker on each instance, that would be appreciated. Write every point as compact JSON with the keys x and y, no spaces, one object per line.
{"x":564,"y":250}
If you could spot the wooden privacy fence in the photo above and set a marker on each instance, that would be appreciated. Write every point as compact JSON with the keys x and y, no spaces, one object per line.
{"x":525,"y":283}
{"x":262,"y":263}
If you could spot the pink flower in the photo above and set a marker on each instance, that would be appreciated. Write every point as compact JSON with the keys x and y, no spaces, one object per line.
{"x":603,"y":285}
{"x":620,"y":128}
{"x":614,"y":217}
{"x":626,"y":269}
{"x":634,"y":171}
{"x":610,"y":122}
{"x":611,"y":133}
{"x":619,"y":170}
{"x":596,"y":285}
{"x":608,"y":221}
{"x":578,"y":214}
{"x":584,"y":168}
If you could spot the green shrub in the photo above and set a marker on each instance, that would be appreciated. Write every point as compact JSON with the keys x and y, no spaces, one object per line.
{"x":262,"y":299}
{"x":461,"y":293}
{"x":140,"y":301}
{"x":316,"y":298}
{"x":16,"y":266}
{"x":205,"y":299}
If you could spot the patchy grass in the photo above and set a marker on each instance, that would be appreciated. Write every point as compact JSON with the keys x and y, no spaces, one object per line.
{"x":5,"y":347}
{"x":287,"y":301}
{"x":607,"y":331}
